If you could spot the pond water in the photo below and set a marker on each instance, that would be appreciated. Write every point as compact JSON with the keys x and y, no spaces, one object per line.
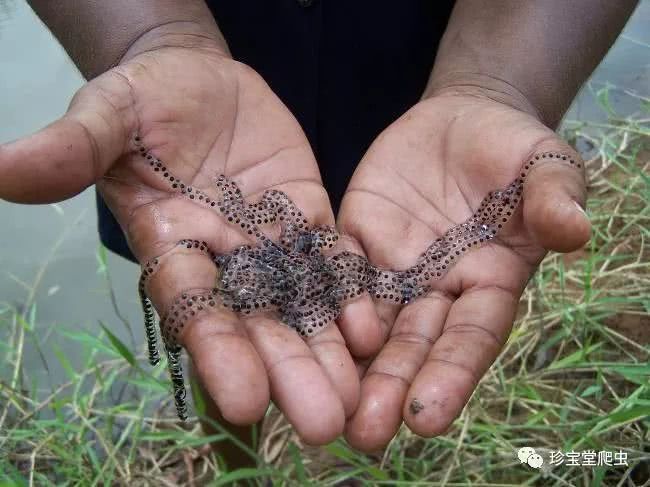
{"x":55,"y":246}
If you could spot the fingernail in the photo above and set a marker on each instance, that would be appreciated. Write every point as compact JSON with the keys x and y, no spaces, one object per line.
{"x":580,"y":208}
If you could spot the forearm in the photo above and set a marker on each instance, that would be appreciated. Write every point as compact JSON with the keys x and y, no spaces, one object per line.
{"x":97,"y":33}
{"x":536,"y":54}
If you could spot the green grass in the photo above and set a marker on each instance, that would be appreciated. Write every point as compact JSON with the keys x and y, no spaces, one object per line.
{"x":574,"y":375}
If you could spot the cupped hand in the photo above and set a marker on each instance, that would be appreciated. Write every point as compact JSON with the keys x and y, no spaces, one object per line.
{"x":202,"y":114}
{"x":427,"y":172}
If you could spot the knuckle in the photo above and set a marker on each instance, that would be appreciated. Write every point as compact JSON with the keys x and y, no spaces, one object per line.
{"x":480,"y":333}
{"x":458,"y":367}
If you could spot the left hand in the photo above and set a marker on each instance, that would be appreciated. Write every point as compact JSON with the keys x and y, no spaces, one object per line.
{"x":427,"y":172}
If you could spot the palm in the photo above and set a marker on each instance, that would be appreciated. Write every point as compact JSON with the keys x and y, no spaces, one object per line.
{"x":203,"y":115}
{"x":427,"y":172}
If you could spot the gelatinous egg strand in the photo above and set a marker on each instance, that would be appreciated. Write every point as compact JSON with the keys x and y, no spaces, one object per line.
{"x":292,"y":276}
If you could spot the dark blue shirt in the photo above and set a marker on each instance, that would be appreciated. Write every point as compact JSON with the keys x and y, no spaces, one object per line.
{"x":346,"y":70}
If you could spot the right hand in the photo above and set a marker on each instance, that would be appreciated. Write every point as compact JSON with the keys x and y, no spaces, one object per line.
{"x":202,"y":114}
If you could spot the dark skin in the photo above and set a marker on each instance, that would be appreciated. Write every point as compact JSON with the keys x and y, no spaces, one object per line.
{"x":256,"y":141}
{"x":502,"y":76}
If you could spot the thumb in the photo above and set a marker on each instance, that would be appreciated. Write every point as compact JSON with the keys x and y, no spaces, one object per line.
{"x":554,"y":197}
{"x":73,"y":152}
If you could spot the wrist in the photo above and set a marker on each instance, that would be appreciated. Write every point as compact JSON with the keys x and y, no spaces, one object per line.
{"x":482,"y":86}
{"x":177,"y":34}
{"x":99,"y":34}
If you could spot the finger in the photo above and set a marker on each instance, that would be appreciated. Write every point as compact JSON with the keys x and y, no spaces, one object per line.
{"x":227,"y":363}
{"x":554,"y":198}
{"x":358,"y":322}
{"x":299,"y":386}
{"x":72,"y":153}
{"x":387,"y":381}
{"x":362,"y":365}
{"x":359,"y":216}
{"x":475,"y":330}
{"x":334,"y":357}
